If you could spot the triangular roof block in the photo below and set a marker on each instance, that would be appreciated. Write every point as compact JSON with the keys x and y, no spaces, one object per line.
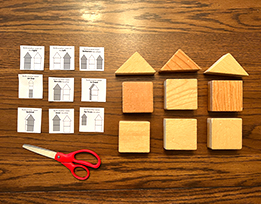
{"x":135,"y":65}
{"x":180,"y":62}
{"x":227,"y":65}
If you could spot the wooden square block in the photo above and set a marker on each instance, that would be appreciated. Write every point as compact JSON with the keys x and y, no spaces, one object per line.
{"x":137,"y":97}
{"x":224,"y":133}
{"x":225,"y":95}
{"x":181,"y":94}
{"x":180,"y":134}
{"x":134,"y":137}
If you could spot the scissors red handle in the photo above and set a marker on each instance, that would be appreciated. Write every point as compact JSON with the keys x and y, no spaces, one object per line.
{"x":71,"y":163}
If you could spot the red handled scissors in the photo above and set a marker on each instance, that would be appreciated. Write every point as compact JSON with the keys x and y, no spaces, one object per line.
{"x":68,"y":160}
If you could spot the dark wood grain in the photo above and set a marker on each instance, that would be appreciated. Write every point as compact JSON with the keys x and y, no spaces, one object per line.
{"x":159,"y":16}
{"x":204,"y":30}
{"x":238,"y":195}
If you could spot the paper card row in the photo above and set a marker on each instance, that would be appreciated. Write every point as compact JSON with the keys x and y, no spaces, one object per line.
{"x":60,"y":120}
{"x":61,"y":89}
{"x":61,"y":58}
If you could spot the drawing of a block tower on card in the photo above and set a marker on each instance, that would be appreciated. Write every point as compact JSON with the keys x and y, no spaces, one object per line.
{"x":67,"y":124}
{"x":57,"y":92}
{"x":67,"y":61}
{"x":84,"y":119}
{"x":99,"y":62}
{"x":56,"y":123}
{"x":27,"y":61}
{"x":30,"y":89}
{"x":66,"y":92}
{"x":57,"y":61}
{"x":84,"y":62}
{"x":37,"y":61}
{"x":91,"y":62}
{"x":29,"y":123}
{"x":98,"y":123}
{"x":94,"y":93}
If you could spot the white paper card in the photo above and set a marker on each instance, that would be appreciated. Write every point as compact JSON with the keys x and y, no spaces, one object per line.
{"x":94,"y":90}
{"x":30,"y":85}
{"x":61,"y":89}
{"x":29,"y":120}
{"x":91,"y":58}
{"x":91,"y":120}
{"x":61,"y":57}
{"x":31,"y":57}
{"x":61,"y":120}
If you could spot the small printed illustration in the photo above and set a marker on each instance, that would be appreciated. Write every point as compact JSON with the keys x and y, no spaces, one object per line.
{"x":31,"y":57}
{"x":61,"y":89}
{"x":91,"y":62}
{"x":98,"y":121}
{"x":27,"y":61}
{"x":29,"y":120}
{"x":67,"y":124}
{"x":67,"y":61}
{"x":61,"y":57}
{"x":66,"y":92}
{"x":57,"y":61}
{"x":61,"y":120}
{"x":37,"y":61}
{"x":99,"y":62}
{"x":84,"y":119}
{"x":91,"y":120}
{"x":93,"y":90}
{"x":30,"y":86}
{"x":57,"y":92}
{"x":56,"y":123}
{"x":91,"y":58}
{"x":84,"y":62}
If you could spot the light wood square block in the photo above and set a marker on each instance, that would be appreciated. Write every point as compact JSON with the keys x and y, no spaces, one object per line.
{"x":180,"y":62}
{"x":225,"y":95}
{"x":224,"y":133}
{"x":134,"y":137}
{"x":180,"y":134}
{"x":181,"y":94}
{"x":137,"y":97}
{"x":135,"y":65}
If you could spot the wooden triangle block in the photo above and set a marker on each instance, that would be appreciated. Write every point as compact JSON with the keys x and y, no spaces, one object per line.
{"x":227,"y":65}
{"x":135,"y":65}
{"x":180,"y":62}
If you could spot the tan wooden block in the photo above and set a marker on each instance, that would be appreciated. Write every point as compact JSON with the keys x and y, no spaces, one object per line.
{"x":180,"y":134}
{"x":180,"y":94}
{"x":224,"y":133}
{"x":134,"y":137}
{"x":135,"y":65}
{"x":137,"y":97}
{"x":227,"y":65}
{"x":180,"y":62}
{"x":225,"y":95}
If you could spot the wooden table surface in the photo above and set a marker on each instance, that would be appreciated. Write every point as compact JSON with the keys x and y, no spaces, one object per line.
{"x":205,"y":30}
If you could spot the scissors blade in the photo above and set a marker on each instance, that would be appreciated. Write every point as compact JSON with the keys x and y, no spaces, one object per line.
{"x":45,"y":152}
